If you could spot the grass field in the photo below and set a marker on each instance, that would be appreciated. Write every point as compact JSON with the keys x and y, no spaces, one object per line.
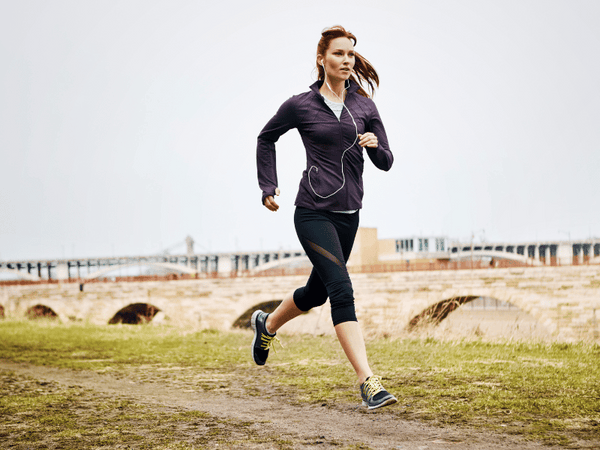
{"x":549,"y":392}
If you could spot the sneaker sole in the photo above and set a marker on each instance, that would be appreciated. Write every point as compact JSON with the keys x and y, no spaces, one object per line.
{"x":253,"y":324}
{"x":388,"y":401}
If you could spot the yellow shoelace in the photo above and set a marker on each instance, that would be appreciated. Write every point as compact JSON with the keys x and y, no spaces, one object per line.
{"x":266,"y":342}
{"x":372,"y":386}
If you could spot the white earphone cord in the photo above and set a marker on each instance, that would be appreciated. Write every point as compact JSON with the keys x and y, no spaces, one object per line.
{"x":343,"y":153}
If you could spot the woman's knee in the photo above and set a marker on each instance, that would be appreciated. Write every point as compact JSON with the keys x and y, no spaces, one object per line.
{"x":340,"y":290}
{"x":306,"y":299}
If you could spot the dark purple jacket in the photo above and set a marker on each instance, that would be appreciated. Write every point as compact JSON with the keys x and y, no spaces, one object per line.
{"x":325,"y":139}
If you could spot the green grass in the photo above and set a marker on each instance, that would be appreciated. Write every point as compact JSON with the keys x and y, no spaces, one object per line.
{"x":542,"y":391}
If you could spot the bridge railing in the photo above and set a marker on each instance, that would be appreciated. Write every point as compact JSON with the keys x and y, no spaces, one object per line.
{"x":403,"y":266}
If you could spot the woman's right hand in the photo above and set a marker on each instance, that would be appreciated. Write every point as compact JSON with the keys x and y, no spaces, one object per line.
{"x":270,"y":202}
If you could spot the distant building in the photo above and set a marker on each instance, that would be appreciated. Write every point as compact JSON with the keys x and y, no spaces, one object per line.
{"x":368,"y":249}
{"x":414,"y":247}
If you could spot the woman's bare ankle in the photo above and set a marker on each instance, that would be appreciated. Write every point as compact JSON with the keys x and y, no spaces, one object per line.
{"x":269,"y":325}
{"x":364,"y":377}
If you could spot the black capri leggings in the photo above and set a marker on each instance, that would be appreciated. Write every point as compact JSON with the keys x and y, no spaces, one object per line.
{"x":327,"y":239}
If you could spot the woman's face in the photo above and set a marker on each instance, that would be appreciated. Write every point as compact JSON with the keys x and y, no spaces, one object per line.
{"x":339,"y":59}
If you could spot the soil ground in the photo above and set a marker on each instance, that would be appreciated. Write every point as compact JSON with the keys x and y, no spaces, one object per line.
{"x":288,"y":424}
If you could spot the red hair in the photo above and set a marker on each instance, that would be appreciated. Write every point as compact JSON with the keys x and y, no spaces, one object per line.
{"x":363,"y":70}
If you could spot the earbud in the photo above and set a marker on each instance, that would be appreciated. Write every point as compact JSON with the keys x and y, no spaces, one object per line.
{"x":344,"y":152}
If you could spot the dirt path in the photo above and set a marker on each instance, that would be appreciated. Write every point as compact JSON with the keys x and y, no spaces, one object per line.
{"x":307,"y":426}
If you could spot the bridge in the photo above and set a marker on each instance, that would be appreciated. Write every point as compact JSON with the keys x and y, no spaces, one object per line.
{"x":564,"y":300}
{"x":547,"y":253}
{"x":98,"y":267}
{"x":532,"y":253}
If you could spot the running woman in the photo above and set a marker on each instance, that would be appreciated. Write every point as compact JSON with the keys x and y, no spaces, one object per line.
{"x":336,"y":120}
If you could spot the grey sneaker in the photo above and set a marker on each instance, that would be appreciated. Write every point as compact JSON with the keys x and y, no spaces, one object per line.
{"x":374,"y":395}
{"x":263,"y":340}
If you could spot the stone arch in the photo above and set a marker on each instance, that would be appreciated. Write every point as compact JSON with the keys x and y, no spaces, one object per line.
{"x":40,"y":311}
{"x":135,"y":313}
{"x":244,"y":320}
{"x":438,"y":311}
{"x":514,"y":321}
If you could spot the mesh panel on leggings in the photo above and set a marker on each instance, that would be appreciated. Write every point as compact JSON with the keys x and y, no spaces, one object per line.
{"x":320,"y":250}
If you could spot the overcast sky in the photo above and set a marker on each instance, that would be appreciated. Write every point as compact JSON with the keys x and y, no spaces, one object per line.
{"x":127,"y":125}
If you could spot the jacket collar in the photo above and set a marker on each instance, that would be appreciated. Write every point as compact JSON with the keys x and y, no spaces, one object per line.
{"x":317,"y":85}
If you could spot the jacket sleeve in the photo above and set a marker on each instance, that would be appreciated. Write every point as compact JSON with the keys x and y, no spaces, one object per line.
{"x":282,"y":121}
{"x":381,"y":156}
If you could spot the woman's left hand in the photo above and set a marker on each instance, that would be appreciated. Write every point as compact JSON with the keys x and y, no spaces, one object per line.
{"x":368,"y":140}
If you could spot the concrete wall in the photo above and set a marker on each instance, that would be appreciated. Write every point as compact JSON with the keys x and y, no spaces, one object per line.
{"x":565,"y":300}
{"x":365,"y":250}
{"x":386,"y":247}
